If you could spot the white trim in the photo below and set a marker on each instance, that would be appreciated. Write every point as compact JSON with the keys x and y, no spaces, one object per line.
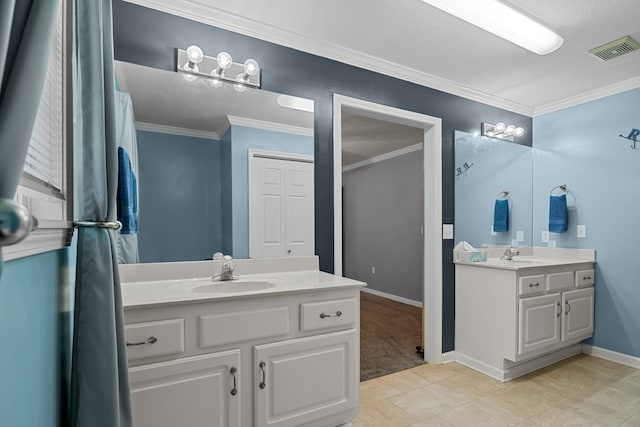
{"x":382,"y":157}
{"x":613,"y":356}
{"x":39,"y":241}
{"x":448,"y":357}
{"x":174,"y":130}
{"x":521,"y":369}
{"x":200,"y":11}
{"x":271,"y":126}
{"x":592,"y":95}
{"x":432,"y":274}
{"x":392,"y":297}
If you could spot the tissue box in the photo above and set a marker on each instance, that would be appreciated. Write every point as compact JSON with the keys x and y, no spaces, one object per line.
{"x":471,"y":256}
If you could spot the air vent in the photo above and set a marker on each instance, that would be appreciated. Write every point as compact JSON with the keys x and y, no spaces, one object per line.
{"x":615,"y":48}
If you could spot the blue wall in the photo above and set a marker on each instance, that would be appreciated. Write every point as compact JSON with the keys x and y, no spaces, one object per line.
{"x":180,"y":214}
{"x":242,"y":139}
{"x":35,"y":300}
{"x":581,"y":147}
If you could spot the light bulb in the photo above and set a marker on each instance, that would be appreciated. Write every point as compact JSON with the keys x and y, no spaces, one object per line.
{"x":241,"y":79}
{"x":518,"y":131}
{"x":195,"y":54}
{"x":224,"y":60}
{"x":215,"y":82}
{"x":251,"y":67}
{"x":510,"y":129}
{"x":499,"y":127}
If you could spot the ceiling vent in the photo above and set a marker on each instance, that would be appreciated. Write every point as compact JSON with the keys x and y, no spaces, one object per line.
{"x":615,"y":48}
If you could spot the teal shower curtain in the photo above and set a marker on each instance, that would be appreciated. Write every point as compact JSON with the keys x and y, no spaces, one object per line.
{"x":25,"y":40}
{"x":99,"y":380}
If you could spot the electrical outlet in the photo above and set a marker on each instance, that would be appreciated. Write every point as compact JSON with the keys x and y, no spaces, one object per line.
{"x":520,"y":236}
{"x":544,"y":237}
{"x":447,"y":231}
{"x":581,"y":231}
{"x":373,"y":269}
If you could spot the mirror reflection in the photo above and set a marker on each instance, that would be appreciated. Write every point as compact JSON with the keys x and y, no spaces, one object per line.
{"x":484,"y":169}
{"x":217,"y":170}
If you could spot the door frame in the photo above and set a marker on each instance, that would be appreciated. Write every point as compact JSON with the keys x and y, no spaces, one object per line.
{"x":277,"y":155}
{"x":432,"y":149}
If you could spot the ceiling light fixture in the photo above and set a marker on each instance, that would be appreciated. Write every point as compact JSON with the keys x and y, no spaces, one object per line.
{"x":502,"y":131}
{"x":504,"y":21}
{"x":193,"y":63}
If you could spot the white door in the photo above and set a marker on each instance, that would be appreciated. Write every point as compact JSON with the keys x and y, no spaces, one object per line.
{"x":578,"y":314}
{"x":303,"y":380}
{"x":539,"y":322}
{"x":190,"y":392}
{"x":281,"y":208}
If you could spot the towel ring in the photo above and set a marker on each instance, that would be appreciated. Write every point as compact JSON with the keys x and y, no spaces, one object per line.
{"x":505,"y":192}
{"x":562,"y":187}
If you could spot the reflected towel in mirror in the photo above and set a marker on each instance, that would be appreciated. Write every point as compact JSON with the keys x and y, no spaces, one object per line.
{"x":127,"y":199}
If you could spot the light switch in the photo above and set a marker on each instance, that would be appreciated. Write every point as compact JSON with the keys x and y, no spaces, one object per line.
{"x":552,"y":244}
{"x":582,"y":231}
{"x":520,"y":236}
{"x":447,"y":231}
{"x":544,"y":237}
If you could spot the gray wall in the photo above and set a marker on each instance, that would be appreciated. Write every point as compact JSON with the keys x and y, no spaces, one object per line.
{"x":382,"y":215}
{"x":148,"y":37}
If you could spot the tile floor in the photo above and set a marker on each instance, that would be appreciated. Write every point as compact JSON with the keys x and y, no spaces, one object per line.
{"x":580,"y":391}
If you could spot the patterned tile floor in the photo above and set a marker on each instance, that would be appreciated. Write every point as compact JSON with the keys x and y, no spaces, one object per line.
{"x":580,"y":391}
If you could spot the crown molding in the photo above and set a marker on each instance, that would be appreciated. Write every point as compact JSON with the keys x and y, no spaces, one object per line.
{"x":174,"y":130}
{"x":382,"y":157}
{"x":275,"y":127}
{"x":592,"y":95}
{"x":199,"y":11}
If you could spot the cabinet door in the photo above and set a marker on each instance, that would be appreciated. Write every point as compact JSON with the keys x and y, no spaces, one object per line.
{"x":188,"y":392}
{"x":303,"y":380}
{"x":539,"y":322}
{"x":577,"y":321}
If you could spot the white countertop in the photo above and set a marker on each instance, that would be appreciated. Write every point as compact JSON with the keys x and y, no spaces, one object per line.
{"x":143,"y":287}
{"x":519,"y":263}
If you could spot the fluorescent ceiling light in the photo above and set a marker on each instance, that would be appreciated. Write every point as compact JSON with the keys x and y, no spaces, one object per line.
{"x":295,"y":103}
{"x":503,"y":21}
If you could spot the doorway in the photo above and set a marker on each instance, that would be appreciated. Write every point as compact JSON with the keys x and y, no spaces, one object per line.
{"x":432,"y":219}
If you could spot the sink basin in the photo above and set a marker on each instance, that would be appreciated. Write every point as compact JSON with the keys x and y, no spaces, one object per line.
{"x":232,"y":286}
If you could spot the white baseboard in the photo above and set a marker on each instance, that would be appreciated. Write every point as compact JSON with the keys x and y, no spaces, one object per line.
{"x":392,"y":297}
{"x":448,"y":357}
{"x":520,"y":369}
{"x":613,"y":356}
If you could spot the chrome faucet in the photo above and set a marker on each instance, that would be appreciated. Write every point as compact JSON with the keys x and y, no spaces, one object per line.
{"x":509,"y":253}
{"x":226,"y":273}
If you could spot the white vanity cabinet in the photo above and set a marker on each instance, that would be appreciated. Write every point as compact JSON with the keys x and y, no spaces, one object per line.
{"x":511,"y":321}
{"x":273,"y":360}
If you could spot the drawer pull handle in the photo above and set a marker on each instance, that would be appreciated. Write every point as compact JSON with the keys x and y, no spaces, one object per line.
{"x":531,"y":285}
{"x":338,"y":314}
{"x":586,"y":278}
{"x":567,"y":307}
{"x":559,"y":312}
{"x":263,"y":384}
{"x":150,"y":340}
{"x":234,"y":390}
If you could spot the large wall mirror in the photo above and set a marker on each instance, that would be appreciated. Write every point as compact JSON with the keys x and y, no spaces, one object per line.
{"x":195,"y":143}
{"x":484,"y":169}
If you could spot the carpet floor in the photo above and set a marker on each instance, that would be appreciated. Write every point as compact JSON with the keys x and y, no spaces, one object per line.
{"x":389,"y":334}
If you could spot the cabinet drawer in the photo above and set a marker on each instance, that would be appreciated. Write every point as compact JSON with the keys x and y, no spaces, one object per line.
{"x":151,"y":339}
{"x":328,"y":314}
{"x":227,"y":328}
{"x":531,"y":284}
{"x":585,"y":278}
{"x":560,"y":281}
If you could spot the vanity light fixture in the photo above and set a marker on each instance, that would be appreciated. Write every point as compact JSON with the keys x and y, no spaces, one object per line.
{"x":505,"y":21}
{"x":193,"y":63}
{"x":502,"y":131}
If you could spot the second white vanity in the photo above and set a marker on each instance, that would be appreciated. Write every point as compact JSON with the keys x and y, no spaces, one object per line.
{"x":516,"y":316}
{"x":278,"y":347}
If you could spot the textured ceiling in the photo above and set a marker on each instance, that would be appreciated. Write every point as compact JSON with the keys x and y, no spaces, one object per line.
{"x":417,"y":42}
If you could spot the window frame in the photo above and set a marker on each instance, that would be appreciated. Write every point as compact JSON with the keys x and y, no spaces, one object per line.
{"x":53,"y":234}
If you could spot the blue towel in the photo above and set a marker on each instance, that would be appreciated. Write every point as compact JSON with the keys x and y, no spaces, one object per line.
{"x":558,"y":218}
{"x":501,"y":216}
{"x":127,"y":194}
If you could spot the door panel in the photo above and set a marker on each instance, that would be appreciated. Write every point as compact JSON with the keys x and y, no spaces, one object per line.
{"x":539,"y":322}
